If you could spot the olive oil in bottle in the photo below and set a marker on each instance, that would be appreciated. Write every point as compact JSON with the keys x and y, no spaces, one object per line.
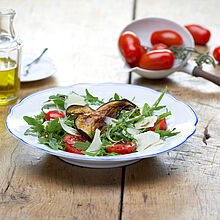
{"x":10,"y":58}
{"x":9,"y":80}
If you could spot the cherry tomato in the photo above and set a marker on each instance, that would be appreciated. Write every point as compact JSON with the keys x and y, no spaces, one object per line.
{"x":122,"y":148}
{"x":200,"y":34}
{"x":160,"y":46}
{"x":69,"y":141}
{"x":126,"y":38}
{"x":167,"y":37}
{"x":216,"y":54}
{"x":162,"y":123}
{"x":157,"y":60}
{"x":143,"y":51}
{"x":54,"y":114}
{"x":129,"y":45}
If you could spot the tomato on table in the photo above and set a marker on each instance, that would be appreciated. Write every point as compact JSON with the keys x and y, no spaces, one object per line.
{"x":122,"y":148}
{"x":168,"y":37}
{"x":130,"y":46}
{"x":216,"y":54}
{"x":54,"y":114}
{"x":157,"y":60}
{"x":159,"y":46}
{"x":200,"y":34}
{"x":69,"y":141}
{"x":161,"y":123}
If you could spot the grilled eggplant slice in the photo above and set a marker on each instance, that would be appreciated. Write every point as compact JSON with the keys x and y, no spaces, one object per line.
{"x":87,"y":124}
{"x":127,"y":108}
{"x":111,"y":108}
{"x":78,"y":110}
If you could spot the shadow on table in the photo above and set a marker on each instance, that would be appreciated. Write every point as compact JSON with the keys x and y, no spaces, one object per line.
{"x":54,"y":169}
{"x":149,"y":170}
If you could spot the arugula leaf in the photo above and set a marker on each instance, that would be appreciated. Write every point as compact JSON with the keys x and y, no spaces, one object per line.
{"x":53,"y":126}
{"x":88,"y":153}
{"x":48,"y":106}
{"x":53,"y":143}
{"x":57,"y":101}
{"x":36,"y":124}
{"x":92,"y":100}
{"x":146,"y":111}
{"x":43,"y":140}
{"x":100,"y":152}
{"x":41,"y":116}
{"x":58,"y":96}
{"x":69,"y":121}
{"x":116,"y":96}
{"x":164,"y":133}
{"x":164,"y":115}
{"x":159,"y":99}
{"x":82,"y":145}
{"x":31,"y":132}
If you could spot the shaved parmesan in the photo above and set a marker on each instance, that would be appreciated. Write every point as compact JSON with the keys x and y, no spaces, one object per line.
{"x":96,"y":142}
{"x":132,"y":131}
{"x":67,"y":128}
{"x":146,"y":122}
{"x":146,"y":139}
{"x":157,"y":143}
{"x":108,"y":121}
{"x":74,"y":99}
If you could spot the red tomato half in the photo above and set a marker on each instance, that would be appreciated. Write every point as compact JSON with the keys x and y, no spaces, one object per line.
{"x":54,"y":114}
{"x":167,"y":37}
{"x":162,"y":123}
{"x":122,"y":148}
{"x":200,"y":34}
{"x":69,"y":141}
{"x":129,"y":45}
{"x":160,"y":46}
{"x":157,"y":60}
{"x":216,"y":54}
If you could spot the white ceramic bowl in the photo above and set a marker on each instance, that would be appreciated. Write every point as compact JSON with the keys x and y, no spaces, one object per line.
{"x":183,"y":119}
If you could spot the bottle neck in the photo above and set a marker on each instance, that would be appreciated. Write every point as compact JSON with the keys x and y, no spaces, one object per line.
{"x":7,"y":32}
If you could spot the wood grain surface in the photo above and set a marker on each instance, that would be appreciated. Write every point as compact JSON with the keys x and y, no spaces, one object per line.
{"x":82,"y":40}
{"x":184,"y":183}
{"x":81,"y":37}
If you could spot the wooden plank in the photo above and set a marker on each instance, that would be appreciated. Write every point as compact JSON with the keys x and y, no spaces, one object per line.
{"x":183,"y":183}
{"x":82,"y":38}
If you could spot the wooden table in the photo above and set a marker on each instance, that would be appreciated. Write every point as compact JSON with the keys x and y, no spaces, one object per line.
{"x":82,"y":39}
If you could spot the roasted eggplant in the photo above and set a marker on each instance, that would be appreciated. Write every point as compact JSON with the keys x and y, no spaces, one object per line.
{"x":127,"y":108}
{"x":87,"y":123}
{"x":111,"y":108}
{"x":78,"y":110}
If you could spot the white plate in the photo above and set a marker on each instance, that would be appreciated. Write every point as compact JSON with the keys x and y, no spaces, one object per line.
{"x":42,"y":70}
{"x":183,"y":118}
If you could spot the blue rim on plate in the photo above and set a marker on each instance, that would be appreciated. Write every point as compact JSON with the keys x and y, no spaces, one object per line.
{"x":100,"y":158}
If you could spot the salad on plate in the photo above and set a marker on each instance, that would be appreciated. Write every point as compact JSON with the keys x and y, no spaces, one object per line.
{"x":88,"y":125}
